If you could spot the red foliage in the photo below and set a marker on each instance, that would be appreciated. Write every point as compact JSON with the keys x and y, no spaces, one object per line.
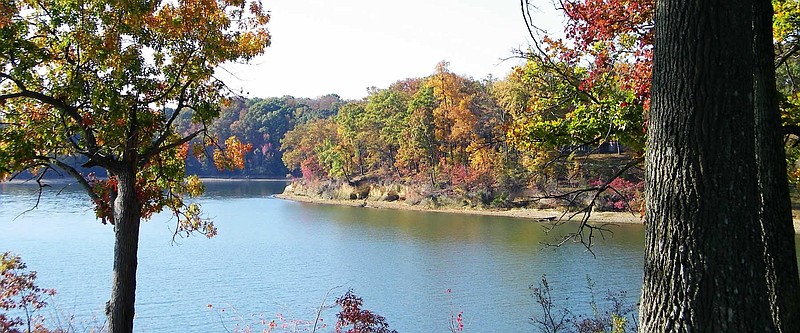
{"x":469,"y":179}
{"x":311,"y":169}
{"x":358,"y":320}
{"x":148,"y":193}
{"x":103,"y":188}
{"x":18,"y":291}
{"x":602,"y":20}
{"x":624,"y":28}
{"x":621,"y":194}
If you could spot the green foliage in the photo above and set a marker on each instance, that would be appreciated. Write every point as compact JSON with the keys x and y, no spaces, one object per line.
{"x":549,"y":111}
{"x":78,"y":79}
{"x":419,"y":150}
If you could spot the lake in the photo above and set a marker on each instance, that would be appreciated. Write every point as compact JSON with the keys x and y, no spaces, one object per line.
{"x":277,"y":259}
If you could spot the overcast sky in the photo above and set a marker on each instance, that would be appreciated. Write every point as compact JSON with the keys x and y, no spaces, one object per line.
{"x":345,"y":46}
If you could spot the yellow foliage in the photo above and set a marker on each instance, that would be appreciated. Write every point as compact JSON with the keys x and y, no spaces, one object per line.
{"x":233,"y":155}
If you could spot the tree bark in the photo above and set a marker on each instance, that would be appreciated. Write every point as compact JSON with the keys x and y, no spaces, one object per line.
{"x":127,"y":211}
{"x":775,"y":214}
{"x":704,"y":249}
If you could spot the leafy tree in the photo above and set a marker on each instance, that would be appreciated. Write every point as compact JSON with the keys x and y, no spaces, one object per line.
{"x":420,"y":151}
{"x":262,"y":123}
{"x":323,"y":107}
{"x":79,"y":79}
{"x":387,"y":115}
{"x":786,"y":27}
{"x":720,"y":252}
{"x":302,"y":147}
{"x":453,"y":116}
{"x":350,"y":120}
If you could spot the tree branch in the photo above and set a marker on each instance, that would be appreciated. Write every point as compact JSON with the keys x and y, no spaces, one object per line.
{"x":786,"y":55}
{"x":525,"y":7}
{"x":584,"y":225}
{"x":93,"y":150}
{"x":72,"y":172}
{"x":146,"y":157}
{"x":166,"y":130}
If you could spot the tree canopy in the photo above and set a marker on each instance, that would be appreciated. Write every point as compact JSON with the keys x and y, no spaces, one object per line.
{"x":107,"y":81}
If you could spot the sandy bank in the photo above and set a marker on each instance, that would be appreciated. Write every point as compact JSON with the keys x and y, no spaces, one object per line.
{"x":534,"y":214}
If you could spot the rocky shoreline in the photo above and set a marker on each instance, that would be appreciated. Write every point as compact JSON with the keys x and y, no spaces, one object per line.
{"x":541,"y":215}
{"x":537,"y":215}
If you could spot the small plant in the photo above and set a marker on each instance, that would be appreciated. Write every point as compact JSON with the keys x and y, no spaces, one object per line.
{"x":19,"y":295}
{"x":457,"y":322}
{"x":352,"y":319}
{"x":552,"y":319}
{"x":456,"y":319}
{"x":501,"y":201}
{"x":555,"y":319}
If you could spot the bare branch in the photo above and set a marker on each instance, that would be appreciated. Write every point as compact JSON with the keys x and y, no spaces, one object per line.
{"x":153,"y":150}
{"x":40,"y":188}
{"x":784,"y":57}
{"x":171,"y":86}
{"x":544,"y":57}
{"x":48,"y":162}
{"x":78,"y":177}
{"x":584,"y":225}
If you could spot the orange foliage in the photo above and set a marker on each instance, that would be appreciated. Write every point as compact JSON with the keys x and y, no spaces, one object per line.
{"x":232,"y":157}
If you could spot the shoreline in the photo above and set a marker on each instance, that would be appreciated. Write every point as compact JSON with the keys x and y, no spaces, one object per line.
{"x":218,"y":179}
{"x":535,"y":215}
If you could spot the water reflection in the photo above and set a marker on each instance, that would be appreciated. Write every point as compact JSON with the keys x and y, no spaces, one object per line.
{"x":242,"y":188}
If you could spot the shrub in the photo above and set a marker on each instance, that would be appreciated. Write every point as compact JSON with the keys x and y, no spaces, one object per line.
{"x":620,"y":196}
{"x":20,"y":294}
{"x":554,"y":319}
{"x":359,"y":321}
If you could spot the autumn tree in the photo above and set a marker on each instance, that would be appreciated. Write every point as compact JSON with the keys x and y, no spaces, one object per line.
{"x":454,"y":116}
{"x":592,"y":85}
{"x":322,"y":107}
{"x":786,"y":34}
{"x":719,"y":249}
{"x":79,"y":79}
{"x":353,"y":319}
{"x":351,"y":122}
{"x":316,"y":149}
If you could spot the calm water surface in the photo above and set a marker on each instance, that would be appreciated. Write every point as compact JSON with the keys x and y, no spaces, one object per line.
{"x":275,"y":257}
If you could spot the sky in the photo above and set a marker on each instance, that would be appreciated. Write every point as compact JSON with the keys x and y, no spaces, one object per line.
{"x":346,"y":46}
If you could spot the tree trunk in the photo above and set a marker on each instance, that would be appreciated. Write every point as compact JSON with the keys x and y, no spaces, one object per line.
{"x":775,"y":214}
{"x":120,"y":309}
{"x":704,"y":252}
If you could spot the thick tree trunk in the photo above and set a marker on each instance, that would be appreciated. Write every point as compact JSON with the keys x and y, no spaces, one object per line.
{"x":775,"y":215}
{"x":120,"y":309}
{"x":704,"y":251}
